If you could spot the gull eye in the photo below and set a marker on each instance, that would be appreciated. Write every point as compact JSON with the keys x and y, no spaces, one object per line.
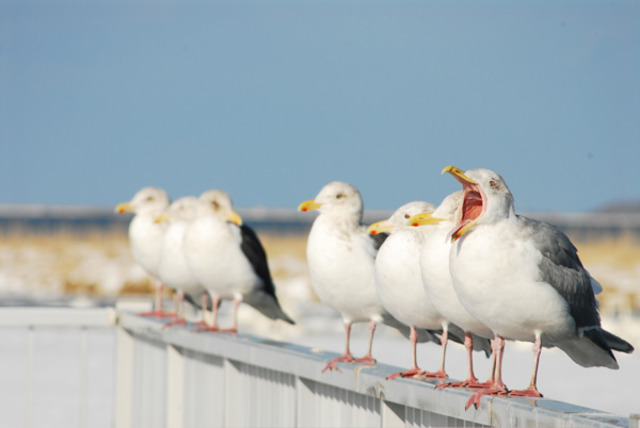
{"x":407,"y":216}
{"x":150,"y":198}
{"x":341,"y":196}
{"x":215,"y":205}
{"x":493,"y":183}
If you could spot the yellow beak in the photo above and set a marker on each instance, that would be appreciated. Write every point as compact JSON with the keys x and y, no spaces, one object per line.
{"x":423,"y":218}
{"x":309,"y":206}
{"x":162,"y":218}
{"x":459,"y":175}
{"x":234,"y":218}
{"x":457,"y":234}
{"x":380,"y":227}
{"x":124,"y":207}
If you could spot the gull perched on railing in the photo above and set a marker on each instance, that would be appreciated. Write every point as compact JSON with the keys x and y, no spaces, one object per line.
{"x":523,"y":279}
{"x":174,"y":271}
{"x":145,"y":236}
{"x":435,"y":244}
{"x":399,"y":284}
{"x":341,"y":254}
{"x":227,"y":258}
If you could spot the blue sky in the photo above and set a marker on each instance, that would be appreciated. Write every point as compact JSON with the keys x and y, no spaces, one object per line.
{"x":270,"y":100}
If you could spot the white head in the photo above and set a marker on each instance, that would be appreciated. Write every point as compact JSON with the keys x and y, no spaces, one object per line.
{"x":146,"y":200}
{"x":487,"y":198}
{"x":336,"y":198}
{"x":400,"y":218}
{"x":449,"y":207}
{"x":217,"y":203}
{"x":181,"y":209}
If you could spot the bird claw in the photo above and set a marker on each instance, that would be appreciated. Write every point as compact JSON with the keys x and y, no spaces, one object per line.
{"x":180,"y":321}
{"x":158,"y":313}
{"x":477,"y":396}
{"x":532,"y":391}
{"x":440,"y":374}
{"x":415,"y":373}
{"x":345,"y":358}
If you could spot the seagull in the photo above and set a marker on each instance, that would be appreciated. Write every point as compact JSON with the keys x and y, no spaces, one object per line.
{"x":145,"y":235}
{"x":227,"y":258}
{"x":174,"y":271}
{"x":340,"y":255}
{"x":523,"y":279}
{"x":437,"y":282}
{"x":399,"y":283}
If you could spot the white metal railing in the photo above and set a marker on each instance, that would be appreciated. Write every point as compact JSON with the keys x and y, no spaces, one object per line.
{"x":58,"y":365}
{"x":178,"y":378}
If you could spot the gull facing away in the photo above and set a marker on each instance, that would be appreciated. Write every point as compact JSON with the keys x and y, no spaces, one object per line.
{"x":341,"y":254}
{"x":434,"y":229}
{"x":174,"y":271}
{"x":227,"y":258}
{"x":145,"y":235}
{"x":523,"y":279}
{"x":399,"y":283}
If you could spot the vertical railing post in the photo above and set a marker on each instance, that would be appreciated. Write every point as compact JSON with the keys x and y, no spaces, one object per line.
{"x":124,"y":379}
{"x":175,"y":387}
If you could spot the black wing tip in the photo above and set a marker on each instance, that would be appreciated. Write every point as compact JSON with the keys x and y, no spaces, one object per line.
{"x":609,"y":342}
{"x":617,"y":343}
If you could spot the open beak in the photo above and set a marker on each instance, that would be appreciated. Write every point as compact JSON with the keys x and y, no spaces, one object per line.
{"x":309,"y":206}
{"x":459,"y":175}
{"x":422,"y":219}
{"x":124,"y":207}
{"x":380,"y":227}
{"x":471,"y":205}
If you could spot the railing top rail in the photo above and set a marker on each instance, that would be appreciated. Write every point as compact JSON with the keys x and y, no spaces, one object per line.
{"x":57,"y":317}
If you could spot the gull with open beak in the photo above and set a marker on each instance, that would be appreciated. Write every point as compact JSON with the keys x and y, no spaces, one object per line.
{"x":523,"y":279}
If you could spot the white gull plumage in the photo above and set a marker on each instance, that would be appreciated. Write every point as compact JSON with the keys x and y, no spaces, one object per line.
{"x":146,"y":235}
{"x":523,"y":279}
{"x":435,"y":229}
{"x":399,"y":282}
{"x":340,"y":255}
{"x":174,"y":271}
{"x":227,"y":258}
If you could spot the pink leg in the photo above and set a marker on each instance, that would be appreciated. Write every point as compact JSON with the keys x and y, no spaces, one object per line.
{"x":471,"y":379}
{"x":214,"y":311}
{"x":532,"y":390}
{"x":157,"y":312}
{"x":346,"y":357}
{"x":498,"y":387}
{"x":415,"y":370}
{"x":203,"y":321}
{"x":368,"y":359}
{"x":236,"y":305}
{"x":179,"y":311}
{"x":441,"y":374}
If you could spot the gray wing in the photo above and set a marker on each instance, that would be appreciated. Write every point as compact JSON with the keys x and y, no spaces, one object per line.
{"x":562,"y":269}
